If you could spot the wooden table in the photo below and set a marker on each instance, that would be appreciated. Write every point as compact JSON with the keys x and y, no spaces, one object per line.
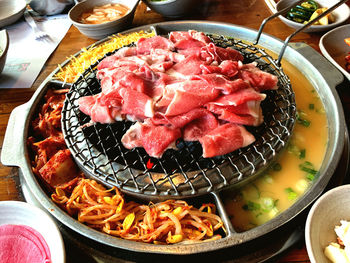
{"x":248,"y":13}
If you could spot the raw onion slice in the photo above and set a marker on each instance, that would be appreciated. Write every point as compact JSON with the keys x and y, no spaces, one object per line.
{"x":20,"y":243}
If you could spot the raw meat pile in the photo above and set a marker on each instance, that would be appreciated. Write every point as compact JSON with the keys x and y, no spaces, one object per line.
{"x":180,"y":87}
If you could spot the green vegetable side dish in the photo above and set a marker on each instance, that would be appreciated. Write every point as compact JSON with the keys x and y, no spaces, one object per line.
{"x":303,"y":12}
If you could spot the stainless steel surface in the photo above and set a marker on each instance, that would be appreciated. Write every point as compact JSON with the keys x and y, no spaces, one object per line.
{"x":322,"y":75}
{"x":80,"y":248}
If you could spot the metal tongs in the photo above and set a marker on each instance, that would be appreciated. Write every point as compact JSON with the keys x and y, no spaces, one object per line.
{"x":284,"y":11}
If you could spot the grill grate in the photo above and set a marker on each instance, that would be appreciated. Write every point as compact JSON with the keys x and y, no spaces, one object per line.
{"x":184,"y":172}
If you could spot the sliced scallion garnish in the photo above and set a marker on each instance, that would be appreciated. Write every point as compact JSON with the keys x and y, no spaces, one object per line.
{"x":291,"y":194}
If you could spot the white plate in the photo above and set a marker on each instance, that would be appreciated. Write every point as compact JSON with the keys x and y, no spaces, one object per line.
{"x":324,"y":215}
{"x":21,"y":213}
{"x":334,"y":48}
{"x":11,"y":11}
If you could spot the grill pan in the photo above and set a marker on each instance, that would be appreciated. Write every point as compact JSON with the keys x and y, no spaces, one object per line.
{"x":323,"y":76}
{"x":184,"y":172}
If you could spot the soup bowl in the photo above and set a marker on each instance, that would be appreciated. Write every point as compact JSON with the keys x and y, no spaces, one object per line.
{"x":99,"y":31}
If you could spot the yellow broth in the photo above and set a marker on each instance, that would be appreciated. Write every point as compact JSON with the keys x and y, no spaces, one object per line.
{"x":292,"y":174}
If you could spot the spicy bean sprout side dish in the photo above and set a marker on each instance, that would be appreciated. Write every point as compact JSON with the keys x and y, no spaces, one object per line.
{"x":106,"y":209}
{"x":169,"y":222}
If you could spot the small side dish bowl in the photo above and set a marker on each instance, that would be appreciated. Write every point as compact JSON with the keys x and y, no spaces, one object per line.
{"x":324,"y":215}
{"x":341,"y":14}
{"x":99,"y":31}
{"x":21,"y":213}
{"x":172,"y":8}
{"x":4,"y":46}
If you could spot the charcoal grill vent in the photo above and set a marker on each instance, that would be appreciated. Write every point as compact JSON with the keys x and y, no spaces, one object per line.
{"x":184,"y":172}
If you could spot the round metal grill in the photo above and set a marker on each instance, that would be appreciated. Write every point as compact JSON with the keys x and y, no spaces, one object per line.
{"x":183,"y":172}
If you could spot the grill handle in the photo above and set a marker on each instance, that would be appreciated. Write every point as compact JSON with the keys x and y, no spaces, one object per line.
{"x":12,"y":148}
{"x":285,"y":10}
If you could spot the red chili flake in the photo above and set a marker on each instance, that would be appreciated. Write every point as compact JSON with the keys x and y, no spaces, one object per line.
{"x":149,"y":164}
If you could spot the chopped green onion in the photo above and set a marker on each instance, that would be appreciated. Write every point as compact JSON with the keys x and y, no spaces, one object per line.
{"x":308,"y":167}
{"x":301,"y":186}
{"x":291,"y":194}
{"x":268,"y":179}
{"x":302,"y":154}
{"x":251,"y":206}
{"x":303,"y":122}
{"x":301,"y":114}
{"x":311,"y":106}
{"x":292,"y":148}
{"x":259,"y":214}
{"x":301,"y":119}
{"x":267,"y":204}
{"x":310,"y":177}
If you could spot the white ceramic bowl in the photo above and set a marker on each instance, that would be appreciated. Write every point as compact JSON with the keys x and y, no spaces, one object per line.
{"x":21,"y":213}
{"x":4,"y":46}
{"x":324,"y":215}
{"x":99,"y":31}
{"x":11,"y":11}
{"x":341,"y":14}
{"x":173,"y":8}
